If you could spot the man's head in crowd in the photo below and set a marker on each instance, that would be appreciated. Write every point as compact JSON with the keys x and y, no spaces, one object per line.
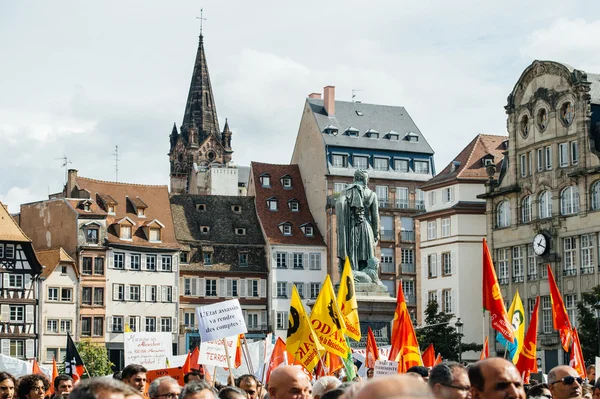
{"x":102,"y":388}
{"x":249,"y":384}
{"x":422,"y":371}
{"x":495,"y":378}
{"x":394,"y":386}
{"x":232,"y":393}
{"x":591,"y":373}
{"x":164,"y":388}
{"x":565,"y":383}
{"x":7,"y":385}
{"x":289,"y":382}
{"x":539,"y":391}
{"x":63,"y":385}
{"x":32,"y":386}
{"x":324,"y":385}
{"x":596,"y":391}
{"x":134,"y":375}
{"x":449,"y":380}
{"x":192,"y":376}
{"x":198,"y":390}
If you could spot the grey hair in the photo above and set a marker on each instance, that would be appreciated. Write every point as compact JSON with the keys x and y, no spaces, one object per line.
{"x":195,"y":387}
{"x":325,"y":384}
{"x":231,"y":392}
{"x":442,"y":373}
{"x":92,"y":388}
{"x":153,"y":388}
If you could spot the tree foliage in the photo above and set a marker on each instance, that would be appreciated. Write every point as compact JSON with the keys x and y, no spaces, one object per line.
{"x":443,"y":334}
{"x":587,"y":324}
{"x":95,"y":358}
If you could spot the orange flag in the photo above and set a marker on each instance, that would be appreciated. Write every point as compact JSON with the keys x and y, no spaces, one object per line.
{"x":438,"y":359}
{"x":372,"y":352}
{"x":50,"y":390}
{"x":429,"y":356}
{"x":576,"y":360}
{"x":328,"y":365}
{"x":485,"y":352}
{"x":238,"y":352}
{"x":527,"y":361}
{"x":559,"y":313}
{"x":492,"y":297}
{"x":404,"y":339}
{"x":35,"y":368}
{"x":279,"y":356}
{"x":187,"y":365}
{"x":194,"y":359}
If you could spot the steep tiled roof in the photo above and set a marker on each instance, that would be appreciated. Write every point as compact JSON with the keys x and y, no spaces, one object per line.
{"x":157,"y":199}
{"x":9,"y":229}
{"x":468,"y":164}
{"x":51,"y":258}
{"x":270,"y":220}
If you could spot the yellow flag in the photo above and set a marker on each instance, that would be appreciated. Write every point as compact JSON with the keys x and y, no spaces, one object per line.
{"x":127,"y":328}
{"x":328,"y":322}
{"x":302,"y":341}
{"x":346,"y":299}
{"x":516,"y":315}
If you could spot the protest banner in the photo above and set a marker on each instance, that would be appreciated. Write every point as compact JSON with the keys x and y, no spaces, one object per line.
{"x":150,"y":349}
{"x":385,"y":367}
{"x":213,"y":352}
{"x":174,"y":372}
{"x":220,"y":320}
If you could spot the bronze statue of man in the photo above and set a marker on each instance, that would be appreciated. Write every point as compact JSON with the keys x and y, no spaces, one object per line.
{"x":357,"y":212}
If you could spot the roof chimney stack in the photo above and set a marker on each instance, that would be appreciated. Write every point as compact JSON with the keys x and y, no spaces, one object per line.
{"x":329,"y":100}
{"x":315,"y":95}
{"x":71,"y":181}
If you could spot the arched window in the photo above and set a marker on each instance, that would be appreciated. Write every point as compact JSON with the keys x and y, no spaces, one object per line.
{"x":545,"y":201}
{"x":526,"y":209}
{"x":569,"y":201}
{"x":596,"y":196}
{"x":503,"y":214}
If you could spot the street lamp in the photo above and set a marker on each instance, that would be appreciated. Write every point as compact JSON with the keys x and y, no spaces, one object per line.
{"x":459,"y":327}
{"x":597,"y":311}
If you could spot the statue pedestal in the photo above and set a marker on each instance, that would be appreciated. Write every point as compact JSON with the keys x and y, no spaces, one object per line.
{"x":376,"y":309}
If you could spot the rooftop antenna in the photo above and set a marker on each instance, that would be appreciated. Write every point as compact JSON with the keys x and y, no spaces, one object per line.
{"x":201,"y":19}
{"x":354,"y":91}
{"x":116,"y":154}
{"x":65,"y":164}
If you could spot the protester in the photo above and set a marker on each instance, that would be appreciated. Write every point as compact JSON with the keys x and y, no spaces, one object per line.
{"x":587,"y":391}
{"x":192,"y":376}
{"x":7,"y":385}
{"x":324,"y":385}
{"x":117,"y":375}
{"x":591,"y":374}
{"x":32,"y":386}
{"x":232,"y":393}
{"x":495,"y":378}
{"x":134,"y":375}
{"x":449,"y":380}
{"x":164,"y":387}
{"x":415,"y":375}
{"x":333,"y":394}
{"x":393,"y":386}
{"x":596,"y":393}
{"x":539,"y":391}
{"x":422,"y":371}
{"x":248,"y":383}
{"x":289,"y":382}
{"x":370,"y":373}
{"x":565,"y":383}
{"x":63,"y":385}
{"x":102,"y":388}
{"x":198,"y":390}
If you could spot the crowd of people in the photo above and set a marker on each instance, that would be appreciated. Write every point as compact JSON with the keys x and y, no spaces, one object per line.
{"x":492,"y":378}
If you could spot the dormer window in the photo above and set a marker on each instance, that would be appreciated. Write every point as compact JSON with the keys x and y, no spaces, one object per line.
{"x":155,"y":234}
{"x":153,"y":230}
{"x":294,"y":205}
{"x":421,"y":167}
{"x":125,"y":232}
{"x":381,"y":164}
{"x":372,"y":134}
{"x":236,"y":209}
{"x":360,"y":162}
{"x":487,"y":160}
{"x":286,"y":182}
{"x":308,"y":229}
{"x":392,"y":135}
{"x":125,"y":228}
{"x":272,"y":204}
{"x":184,"y":257}
{"x":454,"y":166}
{"x":91,"y":233}
{"x":86,"y":206}
{"x":141,"y":212}
{"x":411,"y":137}
{"x":330,"y":129}
{"x":359,"y":113}
{"x":352,"y":131}
{"x":111,"y":209}
{"x":286,"y":228}
{"x":201,"y":207}
{"x":265,"y":180}
{"x":204,"y":229}
{"x":240,"y":231}
{"x":138,"y":205}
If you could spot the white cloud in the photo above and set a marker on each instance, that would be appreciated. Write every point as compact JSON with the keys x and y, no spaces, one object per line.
{"x":17,"y":196}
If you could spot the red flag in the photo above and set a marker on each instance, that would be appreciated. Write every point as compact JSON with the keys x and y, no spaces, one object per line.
{"x":328,"y":365}
{"x":372,"y":352}
{"x":279,"y":356}
{"x":559,"y":313}
{"x":438,"y":359}
{"x":404,"y":339}
{"x":238,"y":352}
{"x":576,"y":360}
{"x":492,"y":297}
{"x":429,"y":356}
{"x":485,"y":352}
{"x":187,"y":366}
{"x":527,"y":361}
{"x":73,"y":362}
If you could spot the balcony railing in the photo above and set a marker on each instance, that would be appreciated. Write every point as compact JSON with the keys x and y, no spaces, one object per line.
{"x":407,"y":236}
{"x":532,"y":276}
{"x":570,"y":272}
{"x":388,"y":267}
{"x":188,"y":328}
{"x":518,"y":279}
{"x":387,"y":235}
{"x":257,"y":327}
{"x":587,"y":270}
{"x":409,"y":268}
{"x":503,"y":280}
{"x":410,"y":299}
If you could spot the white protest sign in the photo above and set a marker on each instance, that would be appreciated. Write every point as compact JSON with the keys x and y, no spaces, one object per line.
{"x":385,"y":367}
{"x":213,"y":352}
{"x":220,"y":320}
{"x":597,"y":365}
{"x":150,"y":349}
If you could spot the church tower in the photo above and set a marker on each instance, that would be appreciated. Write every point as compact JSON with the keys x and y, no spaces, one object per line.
{"x":199,"y":145}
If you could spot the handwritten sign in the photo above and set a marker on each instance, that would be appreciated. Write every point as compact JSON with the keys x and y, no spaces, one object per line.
{"x":213,"y":352}
{"x":220,"y":320}
{"x":385,"y":367}
{"x":150,"y":349}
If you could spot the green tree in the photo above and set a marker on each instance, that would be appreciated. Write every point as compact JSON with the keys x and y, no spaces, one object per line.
{"x":442,"y":334}
{"x":95,"y":358}
{"x":587,"y":324}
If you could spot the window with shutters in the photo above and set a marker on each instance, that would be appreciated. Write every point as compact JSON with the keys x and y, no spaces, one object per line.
{"x":166,"y":261}
{"x":17,"y":313}
{"x":502,"y":265}
{"x":431,"y":230}
{"x":134,"y":293}
{"x":253,"y":288}
{"x":234,"y":288}
{"x":298,"y":261}
{"x":52,"y":294}
{"x":281,"y":260}
{"x":86,"y":326}
{"x":569,"y":255}
{"x":315,"y":261}
{"x":210,"y":287}
{"x":446,"y":264}
{"x":571,"y":305}
{"x":448,"y":194}
{"x":165,"y":324}
{"x":189,"y":319}
{"x":408,"y":287}
{"x":98,"y":330}
{"x":151,"y":263}
{"x":151,"y":293}
{"x":86,"y":266}
{"x":315,"y":288}
{"x":134,"y":262}
{"x":207,"y":258}
{"x":446,"y":227}
{"x":300,"y":288}
{"x":243,"y":258}
{"x":118,"y":292}
{"x":531,"y":263}
{"x":98,"y":296}
{"x":86,"y":296}
{"x":167,"y":293}
{"x":66,"y":294}
{"x":117,"y":324}
{"x":546,"y":305}
{"x":587,"y":254}
{"x":17,"y":348}
{"x":282,"y":320}
{"x":517,"y":263}
{"x":134,"y":323}
{"x":432,"y":265}
{"x":432,"y":296}
{"x":52,"y":326}
{"x":282,"y":290}
{"x":447,"y":301}
{"x":187,"y":286}
{"x":118,"y":260}
{"x":150,"y":324}
{"x":252,"y":320}
{"x":66,"y":326}
{"x":99,"y":266}
{"x":10,"y":251}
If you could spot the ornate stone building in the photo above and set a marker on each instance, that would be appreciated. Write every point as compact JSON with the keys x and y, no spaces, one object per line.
{"x":199,"y":145}
{"x":544,"y":206}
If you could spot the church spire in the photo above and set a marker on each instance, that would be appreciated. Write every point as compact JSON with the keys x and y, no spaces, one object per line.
{"x":200,"y":106}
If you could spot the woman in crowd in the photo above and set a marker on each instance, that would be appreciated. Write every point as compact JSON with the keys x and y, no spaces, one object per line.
{"x":33,"y":386}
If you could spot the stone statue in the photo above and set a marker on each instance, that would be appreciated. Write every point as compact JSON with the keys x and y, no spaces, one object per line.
{"x":357,"y":211}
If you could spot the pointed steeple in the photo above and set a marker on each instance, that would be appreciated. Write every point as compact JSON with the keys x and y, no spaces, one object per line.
{"x":173,"y":137}
{"x":226,"y":136}
{"x":200,"y":107}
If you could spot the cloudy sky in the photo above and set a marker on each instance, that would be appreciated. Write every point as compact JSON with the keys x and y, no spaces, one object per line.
{"x":79,"y":78}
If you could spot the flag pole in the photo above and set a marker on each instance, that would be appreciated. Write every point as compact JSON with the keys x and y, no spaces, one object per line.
{"x":214,"y":376}
{"x":248,"y":359}
{"x":228,"y":359}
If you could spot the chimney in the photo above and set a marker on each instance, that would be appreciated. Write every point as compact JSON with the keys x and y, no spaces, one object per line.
{"x":71,"y":181}
{"x":329,"y":100}
{"x":315,"y":95}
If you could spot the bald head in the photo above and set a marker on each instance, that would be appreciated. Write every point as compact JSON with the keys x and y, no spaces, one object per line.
{"x":495,"y":378}
{"x":395,"y":386}
{"x":565,"y":388}
{"x":289,"y":382}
